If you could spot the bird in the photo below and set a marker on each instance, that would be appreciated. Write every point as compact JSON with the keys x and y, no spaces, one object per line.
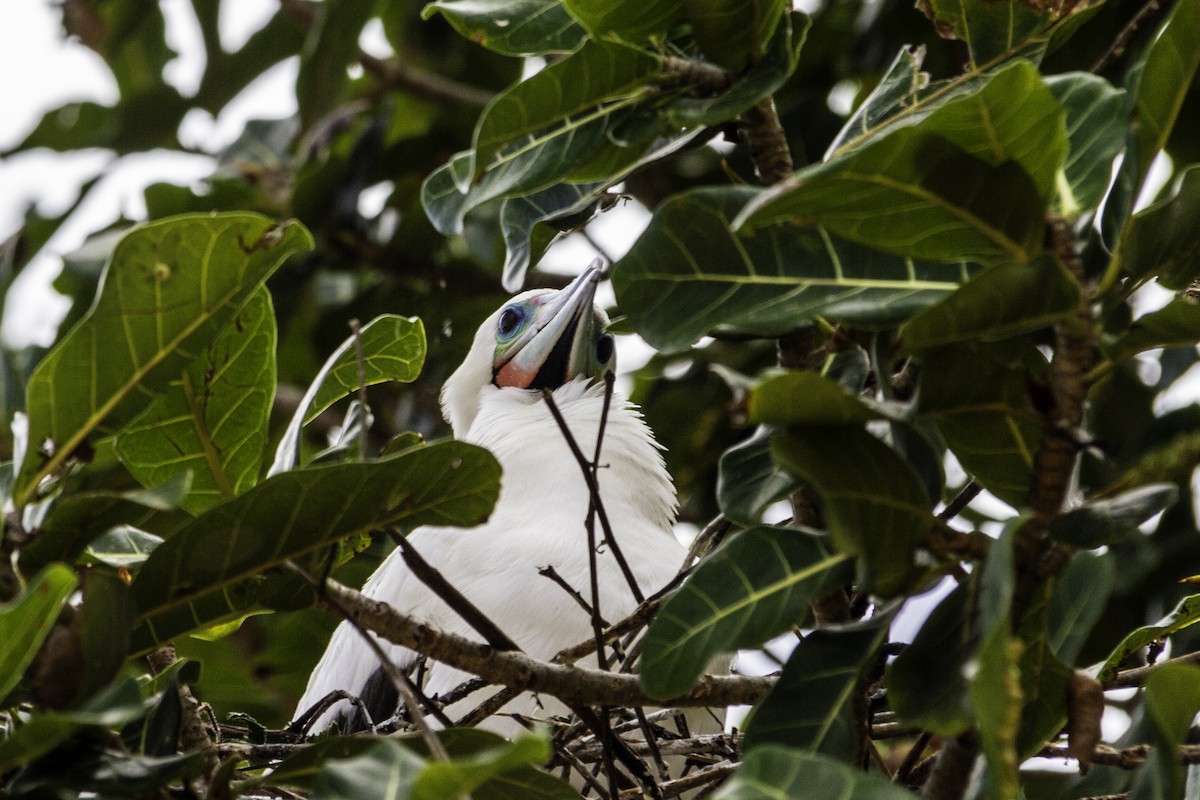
{"x":539,"y":341}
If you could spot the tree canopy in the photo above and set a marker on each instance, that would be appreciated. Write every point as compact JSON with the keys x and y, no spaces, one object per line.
{"x":927,"y":278}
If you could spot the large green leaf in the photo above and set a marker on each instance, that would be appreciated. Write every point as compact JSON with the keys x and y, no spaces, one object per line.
{"x":212,"y":421}
{"x":1186,"y":614}
{"x":749,"y":480}
{"x":599,"y":72}
{"x":1110,"y":520}
{"x":631,"y":20}
{"x":772,"y":772}
{"x":898,"y":85}
{"x":1177,"y":324}
{"x":991,"y":28}
{"x":813,"y":705}
{"x":756,"y":586}
{"x":913,"y":194}
{"x":26,"y":621}
{"x":168,"y":290}
{"x":807,"y":398}
{"x":926,"y":684}
{"x":1078,"y":602}
{"x":1166,"y":75}
{"x":875,"y":506}
{"x":978,"y":394}
{"x":512,"y":27}
{"x":531,"y":222}
{"x":1172,"y":701}
{"x":1096,"y":132}
{"x":749,"y":86}
{"x":460,"y":776}
{"x":689,"y":274}
{"x":1161,"y":241}
{"x":734,"y":33}
{"x":1000,"y":302}
{"x":941,"y":187}
{"x":210,"y":570}
{"x":393,"y":349}
{"x":331,"y":47}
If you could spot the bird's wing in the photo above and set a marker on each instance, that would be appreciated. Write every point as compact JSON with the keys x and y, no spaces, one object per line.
{"x":350,"y":664}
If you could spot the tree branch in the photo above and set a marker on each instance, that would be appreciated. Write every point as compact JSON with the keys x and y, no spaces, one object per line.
{"x":570,"y":684}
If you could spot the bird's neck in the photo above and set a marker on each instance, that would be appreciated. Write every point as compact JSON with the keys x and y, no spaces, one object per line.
{"x":532,"y":449}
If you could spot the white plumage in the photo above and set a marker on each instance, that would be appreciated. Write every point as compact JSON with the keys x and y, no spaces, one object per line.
{"x":539,"y":519}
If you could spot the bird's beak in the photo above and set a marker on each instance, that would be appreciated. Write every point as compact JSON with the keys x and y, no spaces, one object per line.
{"x":560,"y":344}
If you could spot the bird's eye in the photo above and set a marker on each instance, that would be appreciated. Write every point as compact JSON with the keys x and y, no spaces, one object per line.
{"x":510,"y":320}
{"x":604,"y":348}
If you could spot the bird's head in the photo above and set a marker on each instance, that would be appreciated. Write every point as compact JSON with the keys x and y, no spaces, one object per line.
{"x":540,"y":339}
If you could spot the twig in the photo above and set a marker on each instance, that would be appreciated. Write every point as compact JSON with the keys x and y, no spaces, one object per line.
{"x":961,"y":500}
{"x":458,"y":602}
{"x":551,"y":573}
{"x":1137,"y":675}
{"x":952,"y":770}
{"x":709,"y":775}
{"x":398,"y":73}
{"x":1121,"y":42}
{"x":904,"y":771}
{"x":590,"y":478}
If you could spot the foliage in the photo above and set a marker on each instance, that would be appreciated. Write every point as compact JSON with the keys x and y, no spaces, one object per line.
{"x":955,"y":281}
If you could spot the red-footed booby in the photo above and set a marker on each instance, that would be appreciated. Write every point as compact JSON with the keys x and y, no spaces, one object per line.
{"x":541,"y":339}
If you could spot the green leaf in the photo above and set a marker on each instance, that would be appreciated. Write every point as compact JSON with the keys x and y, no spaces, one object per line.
{"x":1161,"y":240}
{"x":1096,"y":132}
{"x":978,"y":395}
{"x":734,"y":33}
{"x":1172,"y":700}
{"x":1000,"y":302}
{"x":393,"y":349}
{"x":912,"y":194}
{"x":512,"y":27}
{"x":1045,"y":678}
{"x":117,"y":705}
{"x":813,"y":704}
{"x":1177,"y":324}
{"x":26,"y":621}
{"x":169,"y":289}
{"x":689,"y":274}
{"x":525,"y":223}
{"x":579,"y":84}
{"x":995,"y":682}
{"x":123,"y":546}
{"x":1078,"y":602}
{"x":1110,"y":520}
{"x":209,"y":571}
{"x":806,"y":398}
{"x":1187,"y":613}
{"x":772,"y":772}
{"x":78,"y":519}
{"x":756,"y":586}
{"x":386,"y":770}
{"x":303,"y":767}
{"x":991,"y":29}
{"x":895,"y":90}
{"x":212,"y":420}
{"x":104,"y":622}
{"x":631,"y":20}
{"x":767,"y":75}
{"x":749,"y":480}
{"x":874,"y":504}
{"x":926,"y":684}
{"x":943,"y":190}
{"x":460,"y":776}
{"x":1167,"y":72}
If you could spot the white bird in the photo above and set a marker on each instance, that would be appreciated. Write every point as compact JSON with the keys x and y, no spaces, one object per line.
{"x":540,"y":339}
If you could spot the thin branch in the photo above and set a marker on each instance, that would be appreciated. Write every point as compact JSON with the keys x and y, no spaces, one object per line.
{"x":911,"y":758}
{"x":952,"y":770}
{"x":458,"y":602}
{"x":594,"y":489}
{"x":961,"y":500}
{"x":1121,"y":42}
{"x":768,"y":143}
{"x":399,"y":73}
{"x":551,"y":573}
{"x":1137,"y":675}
